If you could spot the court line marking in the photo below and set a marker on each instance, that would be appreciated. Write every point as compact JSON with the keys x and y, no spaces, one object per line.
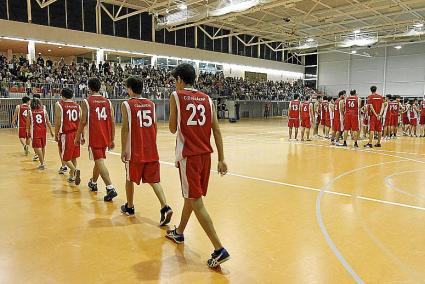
{"x":389,"y":184}
{"x":299,"y":186}
{"x":322,"y":225}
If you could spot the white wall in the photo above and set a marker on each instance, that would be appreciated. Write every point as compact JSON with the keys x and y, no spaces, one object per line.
{"x":43,"y":33}
{"x":398,"y":72}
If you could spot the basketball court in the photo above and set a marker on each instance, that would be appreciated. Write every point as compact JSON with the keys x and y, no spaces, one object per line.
{"x":288,"y":211}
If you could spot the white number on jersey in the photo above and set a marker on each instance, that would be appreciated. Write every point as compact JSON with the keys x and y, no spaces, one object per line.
{"x":305,"y":108}
{"x":25,"y":113}
{"x":191,"y":120}
{"x":101,"y":113}
{"x":145,"y":118}
{"x":72,"y":114}
{"x":39,"y":118}
{"x":351,"y":104}
{"x":295,"y":107}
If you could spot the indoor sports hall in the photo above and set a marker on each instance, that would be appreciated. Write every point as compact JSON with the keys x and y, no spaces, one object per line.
{"x":292,"y":133}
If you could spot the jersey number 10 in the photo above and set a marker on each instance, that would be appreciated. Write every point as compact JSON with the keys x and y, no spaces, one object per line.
{"x":72,"y":114}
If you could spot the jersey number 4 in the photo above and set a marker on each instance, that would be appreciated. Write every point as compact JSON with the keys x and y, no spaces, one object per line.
{"x":145,"y":118}
{"x":191,"y":121}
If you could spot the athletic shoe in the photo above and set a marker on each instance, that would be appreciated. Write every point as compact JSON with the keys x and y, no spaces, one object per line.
{"x":35,"y":158}
{"x":62,"y":170}
{"x":368,"y":145}
{"x":173,"y":235}
{"x":345,"y":144}
{"x":77,"y":177}
{"x":110,"y":194}
{"x":26,"y":150}
{"x":356,"y":145}
{"x":41,"y":167}
{"x":378,"y":145}
{"x":92,"y":186}
{"x":127,"y":210}
{"x":218,"y":257}
{"x":166,"y":213}
{"x":71,"y":180}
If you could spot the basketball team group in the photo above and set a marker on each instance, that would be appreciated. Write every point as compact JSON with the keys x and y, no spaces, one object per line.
{"x":192,"y":118}
{"x":376,"y":117}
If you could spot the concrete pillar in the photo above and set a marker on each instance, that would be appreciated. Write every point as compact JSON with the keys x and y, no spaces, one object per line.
{"x":100,"y":56}
{"x":31,"y":51}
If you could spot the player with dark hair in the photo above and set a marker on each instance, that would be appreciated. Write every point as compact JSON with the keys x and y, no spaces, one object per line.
{"x":422,"y":117}
{"x":98,"y":116}
{"x":193,"y":118}
{"x":386,"y":116}
{"x":317,"y":108}
{"x":338,"y":118}
{"x":375,"y":107}
{"x":294,"y":116}
{"x":325,"y":116}
{"x":67,"y":120}
{"x":307,"y":118}
{"x":413,"y":117}
{"x":352,"y":117}
{"x":139,"y":150}
{"x":20,"y":119}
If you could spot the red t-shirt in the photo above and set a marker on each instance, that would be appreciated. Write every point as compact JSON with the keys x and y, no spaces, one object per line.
{"x":22,"y":115}
{"x":194,"y":123}
{"x":99,"y":121}
{"x":376,"y":101}
{"x":294,"y":111}
{"x":38,"y":123}
{"x":141,"y":141}
{"x":70,"y":117}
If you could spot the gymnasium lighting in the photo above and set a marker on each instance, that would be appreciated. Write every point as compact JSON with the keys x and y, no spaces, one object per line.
{"x":358,"y":39}
{"x":234,"y":6}
{"x":310,"y":40}
{"x":356,"y":31}
{"x":353,"y":52}
{"x":418,"y":25}
{"x":309,"y":43}
{"x":397,"y":47}
{"x":182,"y":6}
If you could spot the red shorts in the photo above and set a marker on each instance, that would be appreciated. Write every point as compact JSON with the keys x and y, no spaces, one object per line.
{"x":97,"y":153}
{"x":387,"y":120}
{"x":336,"y":125}
{"x":375,"y":124}
{"x":22,"y":132}
{"x":145,"y":172}
{"x":405,"y":120}
{"x":351,"y":122}
{"x":67,"y":147}
{"x":39,"y":142}
{"x":293,"y":122}
{"x":194,"y":175}
{"x":305,"y":122}
{"x":422,"y":120}
{"x":394,"y":120}
{"x":413,"y":121}
{"x":326,"y":122}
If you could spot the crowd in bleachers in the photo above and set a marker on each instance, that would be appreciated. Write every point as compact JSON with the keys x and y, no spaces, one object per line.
{"x":47,"y":77}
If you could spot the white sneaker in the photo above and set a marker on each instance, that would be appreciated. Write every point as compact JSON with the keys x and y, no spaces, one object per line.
{"x":41,"y":167}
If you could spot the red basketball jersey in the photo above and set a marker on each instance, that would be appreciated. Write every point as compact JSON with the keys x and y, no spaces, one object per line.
{"x":376,"y":101}
{"x":194,"y":123}
{"x":394,"y":108}
{"x":325,"y":110}
{"x":294,"y":111}
{"x":305,"y":110}
{"x":70,"y":116}
{"x":38,"y":123}
{"x":352,"y":105}
{"x":99,"y":121}
{"x":141,"y":141}
{"x":423,"y":108}
{"x":22,"y":115}
{"x":337,"y":109}
{"x":412,"y":112}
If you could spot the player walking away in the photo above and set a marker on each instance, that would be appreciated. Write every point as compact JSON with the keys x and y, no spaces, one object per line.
{"x":294,"y":116}
{"x":422,"y":117}
{"x":387,"y":116}
{"x":192,"y":118}
{"x":20,"y":120}
{"x":67,"y":119}
{"x":338,"y":119}
{"x":307,"y":116}
{"x":394,"y":107}
{"x":413,"y":117}
{"x":405,"y":119}
{"x":37,"y":120}
{"x":326,"y":118}
{"x":139,"y":149}
{"x":352,"y":117}
{"x":318,"y":114}
{"x":98,"y":115}
{"x":375,"y":107}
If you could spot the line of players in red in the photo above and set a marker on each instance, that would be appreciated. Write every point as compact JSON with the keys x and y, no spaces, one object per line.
{"x":192,"y":119}
{"x":348,"y":114}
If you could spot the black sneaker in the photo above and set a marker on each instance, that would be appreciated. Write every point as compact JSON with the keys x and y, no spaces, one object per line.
{"x":92,"y":186}
{"x":62,"y":170}
{"x":345,"y":144}
{"x":172,"y":235}
{"x":77,"y":177}
{"x":218,"y":257}
{"x":110,"y":194}
{"x":356,"y":145}
{"x":368,"y":145}
{"x":126,"y":210}
{"x":166,"y":213}
{"x":378,"y":145}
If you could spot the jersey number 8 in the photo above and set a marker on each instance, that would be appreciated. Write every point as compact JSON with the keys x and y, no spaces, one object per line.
{"x":39,"y":118}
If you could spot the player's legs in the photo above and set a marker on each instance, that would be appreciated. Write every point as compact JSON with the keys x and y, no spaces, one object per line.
{"x":39,"y":153}
{"x":102,"y":170}
{"x":23,"y":142}
{"x":159,"y":192}
{"x":129,"y":191}
{"x":290,"y":133}
{"x":296,"y":133}
{"x":308,"y":134}
{"x":302,"y":133}
{"x":96,"y":173}
{"x":186,"y":213}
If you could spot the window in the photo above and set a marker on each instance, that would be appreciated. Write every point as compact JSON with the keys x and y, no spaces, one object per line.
{"x":146,"y":26}
{"x":3,"y":11}
{"x":57,"y":14}
{"x":134,"y":26}
{"x":75,"y":17}
{"x":18,"y":10}
{"x":89,"y":15}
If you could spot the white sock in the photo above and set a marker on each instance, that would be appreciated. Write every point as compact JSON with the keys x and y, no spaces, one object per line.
{"x":110,"y":186}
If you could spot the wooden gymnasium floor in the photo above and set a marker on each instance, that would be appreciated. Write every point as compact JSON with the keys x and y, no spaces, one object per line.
{"x":288,"y":213}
